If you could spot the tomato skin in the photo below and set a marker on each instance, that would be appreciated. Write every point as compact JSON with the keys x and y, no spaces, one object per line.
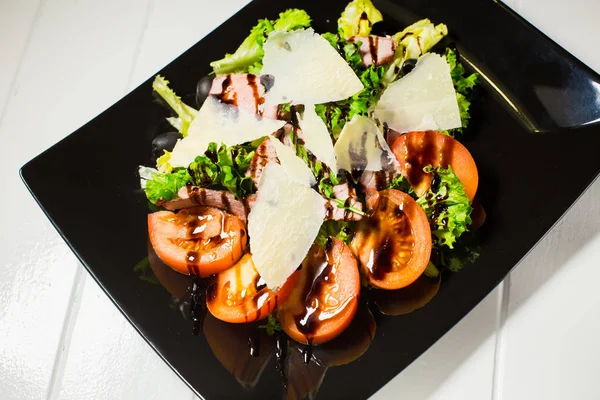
{"x":393,"y":245}
{"x":325,"y":299}
{"x":235,"y":295}
{"x":197,"y":241}
{"x":416,"y":150}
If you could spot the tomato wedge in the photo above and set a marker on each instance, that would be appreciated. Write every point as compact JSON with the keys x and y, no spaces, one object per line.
{"x":393,"y":245}
{"x":325,"y":299}
{"x":197,"y":241}
{"x":416,"y":150}
{"x":239,"y":295}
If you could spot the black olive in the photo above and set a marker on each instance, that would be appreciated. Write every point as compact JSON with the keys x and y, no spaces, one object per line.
{"x":202,"y":89}
{"x":164,"y":141}
{"x":408,"y":65}
{"x":267,"y":81}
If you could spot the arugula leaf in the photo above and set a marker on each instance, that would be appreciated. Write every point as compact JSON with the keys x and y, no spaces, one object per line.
{"x":272,"y":326}
{"x":447,"y":207}
{"x":357,"y":18}
{"x":185,"y":113}
{"x":463,"y":84}
{"x":224,"y":168}
{"x":336,"y":114}
{"x":248,"y":57}
{"x":164,"y":186}
{"x":342,"y":230}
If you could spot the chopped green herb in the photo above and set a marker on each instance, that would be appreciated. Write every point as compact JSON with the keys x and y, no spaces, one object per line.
{"x":272,"y":326}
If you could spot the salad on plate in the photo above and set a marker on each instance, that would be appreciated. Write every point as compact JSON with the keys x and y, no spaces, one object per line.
{"x":318,"y":169}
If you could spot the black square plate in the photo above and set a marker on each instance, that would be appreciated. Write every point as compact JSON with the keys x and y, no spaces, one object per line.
{"x":535,"y":138}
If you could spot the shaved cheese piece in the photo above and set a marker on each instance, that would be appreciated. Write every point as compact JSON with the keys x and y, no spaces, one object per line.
{"x":424,"y":99}
{"x":317,"y":138}
{"x":306,"y":69}
{"x":295,"y":168}
{"x":221,"y":123}
{"x":282,"y":224}
{"x":361,"y":146}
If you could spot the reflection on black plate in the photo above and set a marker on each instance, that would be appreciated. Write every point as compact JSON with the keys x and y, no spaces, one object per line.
{"x":528,"y":180}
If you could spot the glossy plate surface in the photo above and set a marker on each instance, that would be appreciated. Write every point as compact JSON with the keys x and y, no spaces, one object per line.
{"x":534,"y":136}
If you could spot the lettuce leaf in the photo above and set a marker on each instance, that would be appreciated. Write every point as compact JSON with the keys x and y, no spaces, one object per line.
{"x":463,"y":84}
{"x":224,"y":167}
{"x":357,"y":18}
{"x":447,"y":207}
{"x":248,"y":57}
{"x":185,"y":113}
{"x":165,"y":186}
{"x":414,"y":41}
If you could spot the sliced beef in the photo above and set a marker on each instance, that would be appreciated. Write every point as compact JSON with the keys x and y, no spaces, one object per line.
{"x":347,"y":194}
{"x":244,"y":91}
{"x":376,"y":50}
{"x":192,"y":196}
{"x":391,"y":136}
{"x":264,"y":154}
{"x":378,"y":180}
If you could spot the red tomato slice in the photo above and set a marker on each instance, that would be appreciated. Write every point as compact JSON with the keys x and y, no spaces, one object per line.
{"x":197,"y":241}
{"x":416,"y":150}
{"x":239,"y":295}
{"x":393,"y":245}
{"x":324,"y":301}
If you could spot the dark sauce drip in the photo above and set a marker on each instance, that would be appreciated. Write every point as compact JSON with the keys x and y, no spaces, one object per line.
{"x":228,"y":95}
{"x":347,"y":212}
{"x":328,"y":210}
{"x":309,"y":321}
{"x":225,"y":201}
{"x":421,"y":153}
{"x":382,"y":259}
{"x":307,"y":353}
{"x":363,"y":17}
{"x":258,"y":99}
{"x":197,"y":304}
{"x":254,"y":343}
{"x":373,"y":48}
{"x":212,"y":156}
{"x":281,"y":344}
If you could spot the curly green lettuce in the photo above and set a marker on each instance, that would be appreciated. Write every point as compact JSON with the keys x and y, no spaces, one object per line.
{"x":185,"y":113}
{"x":463,"y":84}
{"x":357,"y":18}
{"x":248,"y":57}
{"x":224,"y":167}
{"x":447,"y":207}
{"x":164,"y":186}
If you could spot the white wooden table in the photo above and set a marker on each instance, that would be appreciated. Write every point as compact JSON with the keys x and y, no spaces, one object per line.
{"x":534,"y":337}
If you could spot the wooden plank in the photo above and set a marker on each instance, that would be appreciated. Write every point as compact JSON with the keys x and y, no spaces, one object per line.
{"x":77,"y":63}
